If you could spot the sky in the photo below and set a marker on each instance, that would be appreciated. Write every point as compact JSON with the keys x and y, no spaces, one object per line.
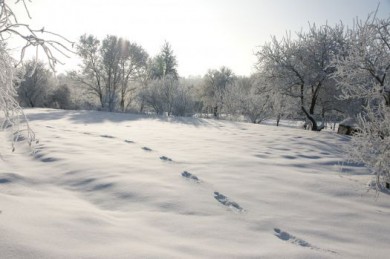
{"x":204,"y":34}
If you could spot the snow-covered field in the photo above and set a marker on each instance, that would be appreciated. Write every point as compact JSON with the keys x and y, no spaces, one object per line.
{"x":106,"y":185}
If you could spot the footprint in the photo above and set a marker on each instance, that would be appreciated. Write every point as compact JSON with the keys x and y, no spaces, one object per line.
{"x":106,"y":136}
{"x":225,"y":201}
{"x":147,"y":149}
{"x":129,"y":141}
{"x":292,"y":239}
{"x":190,"y":176}
{"x":164,"y":158}
{"x":285,"y":236}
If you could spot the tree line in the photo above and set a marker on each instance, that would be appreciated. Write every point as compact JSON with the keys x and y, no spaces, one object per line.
{"x":301,"y":76}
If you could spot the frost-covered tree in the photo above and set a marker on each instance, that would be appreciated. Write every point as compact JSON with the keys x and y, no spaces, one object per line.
{"x":159,"y":94}
{"x":216,"y":82}
{"x":279,"y":105}
{"x":161,"y":82}
{"x":183,"y":102}
{"x":133,"y":66}
{"x":168,"y":89}
{"x":164,"y":64}
{"x":152,"y":96}
{"x":60,"y":97}
{"x":35,"y":85}
{"x":109,"y":67}
{"x":301,"y":67}
{"x":91,"y":74}
{"x":248,"y":98}
{"x":363,"y":74}
{"x":12,"y":117}
{"x":174,"y":97}
{"x":110,"y":52}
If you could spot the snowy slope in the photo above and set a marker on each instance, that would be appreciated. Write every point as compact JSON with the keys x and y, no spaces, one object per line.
{"x":106,"y":185}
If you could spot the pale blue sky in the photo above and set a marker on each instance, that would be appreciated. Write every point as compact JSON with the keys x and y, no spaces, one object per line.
{"x":204,"y":34}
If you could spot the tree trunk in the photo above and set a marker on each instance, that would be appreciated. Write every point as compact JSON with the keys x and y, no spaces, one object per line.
{"x":312,"y":105}
{"x":122,"y":104}
{"x":312,"y":120}
{"x":101,"y":100}
{"x":215,"y":111}
{"x":277,"y":120}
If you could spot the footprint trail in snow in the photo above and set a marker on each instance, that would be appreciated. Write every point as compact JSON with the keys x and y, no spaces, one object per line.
{"x":285,"y":236}
{"x":218,"y":196}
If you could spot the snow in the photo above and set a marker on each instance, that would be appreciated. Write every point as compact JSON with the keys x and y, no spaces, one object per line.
{"x":109,"y":185}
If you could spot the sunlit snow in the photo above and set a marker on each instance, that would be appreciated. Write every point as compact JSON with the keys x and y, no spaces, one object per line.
{"x":108,"y":185}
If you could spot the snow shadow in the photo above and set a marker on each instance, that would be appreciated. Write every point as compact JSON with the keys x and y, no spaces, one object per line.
{"x":50,"y":115}
{"x":44,"y":158}
{"x":8,"y":178}
{"x":96,"y":117}
{"x":4,"y":180}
